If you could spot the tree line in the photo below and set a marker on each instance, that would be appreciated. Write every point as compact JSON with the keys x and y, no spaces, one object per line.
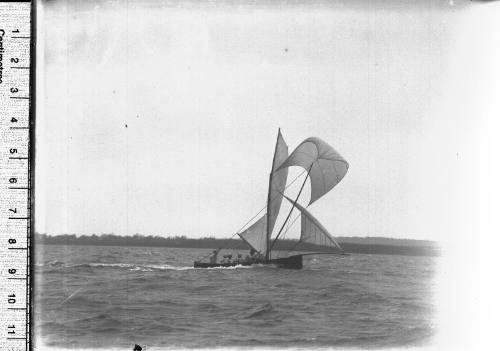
{"x":212,"y":243}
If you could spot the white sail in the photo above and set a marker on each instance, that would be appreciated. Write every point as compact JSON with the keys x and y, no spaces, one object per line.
{"x":277,"y":182}
{"x":327,"y":167}
{"x":312,"y":231}
{"x":255,"y":235}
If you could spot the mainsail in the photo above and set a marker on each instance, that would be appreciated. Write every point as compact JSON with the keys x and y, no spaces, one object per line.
{"x":257,"y":235}
{"x":312,"y":231}
{"x":277,"y":184}
{"x":327,"y":167}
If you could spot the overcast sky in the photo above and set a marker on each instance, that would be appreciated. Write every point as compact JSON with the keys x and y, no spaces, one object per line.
{"x":162,"y":119}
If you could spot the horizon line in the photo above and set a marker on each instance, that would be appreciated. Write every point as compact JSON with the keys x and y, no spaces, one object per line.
{"x":222,"y":238}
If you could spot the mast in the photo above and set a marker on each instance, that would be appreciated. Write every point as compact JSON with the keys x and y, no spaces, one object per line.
{"x":291,"y":210}
{"x":269,"y":191}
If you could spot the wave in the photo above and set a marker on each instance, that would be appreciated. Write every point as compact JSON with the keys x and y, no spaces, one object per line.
{"x":120,"y":265}
{"x":167,"y":267}
{"x":163,"y":267}
{"x":282,"y":285}
{"x":259,"y":311}
{"x":52,"y":263}
{"x":58,"y":265}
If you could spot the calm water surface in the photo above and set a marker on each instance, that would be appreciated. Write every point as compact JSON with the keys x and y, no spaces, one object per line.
{"x":90,"y":296}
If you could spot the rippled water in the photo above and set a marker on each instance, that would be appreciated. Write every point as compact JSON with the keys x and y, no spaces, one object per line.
{"x":88,"y":296}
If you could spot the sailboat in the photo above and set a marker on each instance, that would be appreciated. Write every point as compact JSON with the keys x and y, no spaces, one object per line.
{"x":325,"y":168}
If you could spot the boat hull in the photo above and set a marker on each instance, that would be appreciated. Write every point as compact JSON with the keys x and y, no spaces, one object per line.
{"x":291,"y":262}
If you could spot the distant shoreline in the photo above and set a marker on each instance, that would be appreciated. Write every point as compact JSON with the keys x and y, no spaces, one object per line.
{"x":367,"y":245}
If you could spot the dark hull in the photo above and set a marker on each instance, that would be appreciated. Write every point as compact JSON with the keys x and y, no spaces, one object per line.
{"x":292,"y":262}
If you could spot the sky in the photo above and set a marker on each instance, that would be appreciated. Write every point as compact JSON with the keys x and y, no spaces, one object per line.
{"x":161,"y":118}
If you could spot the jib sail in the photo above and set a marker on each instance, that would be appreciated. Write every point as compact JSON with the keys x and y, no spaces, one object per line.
{"x":312,"y":231}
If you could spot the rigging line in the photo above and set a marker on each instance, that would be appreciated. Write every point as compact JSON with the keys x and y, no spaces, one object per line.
{"x":291,"y":210}
{"x":297,"y":177}
{"x":263,"y":208}
{"x":286,"y":231}
{"x":291,"y":223}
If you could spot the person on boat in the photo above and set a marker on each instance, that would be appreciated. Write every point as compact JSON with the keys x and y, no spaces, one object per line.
{"x":249,"y":257}
{"x":257,"y":257}
{"x":239,"y":258}
{"x":254,"y":255}
{"x":227,"y":258}
{"x":213,"y":256}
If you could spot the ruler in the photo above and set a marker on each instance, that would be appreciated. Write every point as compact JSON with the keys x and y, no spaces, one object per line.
{"x":16,"y":136}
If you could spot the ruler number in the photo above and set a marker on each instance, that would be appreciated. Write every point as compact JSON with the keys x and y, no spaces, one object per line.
{"x":13,"y":180}
{"x":14,"y":60}
{"x":13,"y":120}
{"x":14,"y":90}
{"x":12,"y":271}
{"x":12,"y":241}
{"x":15,"y":31}
{"x":12,"y":329}
{"x":13,"y":151}
{"x":11,"y":298}
{"x":14,"y":210}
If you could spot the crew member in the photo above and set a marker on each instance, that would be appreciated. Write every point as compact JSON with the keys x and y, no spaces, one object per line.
{"x":213,"y":256}
{"x":240,"y":257}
